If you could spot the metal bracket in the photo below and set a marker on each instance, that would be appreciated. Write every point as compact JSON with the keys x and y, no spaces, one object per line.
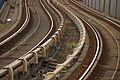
{"x":24,"y":64}
{"x":55,"y":39}
{"x":10,"y":70}
{"x":44,"y":51}
{"x":35,"y":57}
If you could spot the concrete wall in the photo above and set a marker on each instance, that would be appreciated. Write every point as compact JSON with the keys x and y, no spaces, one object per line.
{"x":111,"y":7}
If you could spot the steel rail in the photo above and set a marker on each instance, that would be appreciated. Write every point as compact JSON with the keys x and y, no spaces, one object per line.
{"x":61,"y":17}
{"x":51,"y":19}
{"x":97,"y":54}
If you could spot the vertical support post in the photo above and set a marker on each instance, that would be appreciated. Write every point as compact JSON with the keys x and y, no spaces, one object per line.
{"x":58,"y":36}
{"x":24,"y":64}
{"x":116,"y":9}
{"x":61,"y":33}
{"x":104,"y":6}
{"x":109,"y":6}
{"x":44,"y":51}
{"x":33,"y":65}
{"x":35,"y":58}
{"x":91,"y":3}
{"x":10,"y":70}
{"x":62,"y":29}
{"x":55,"y":39}
{"x":85,"y":1}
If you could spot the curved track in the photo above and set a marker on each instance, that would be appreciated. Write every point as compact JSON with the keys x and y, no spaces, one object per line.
{"x":37,"y":50}
{"x":102,"y":55}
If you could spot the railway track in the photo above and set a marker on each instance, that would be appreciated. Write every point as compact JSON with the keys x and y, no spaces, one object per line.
{"x":105,"y":61}
{"x":16,"y":53}
{"x":99,"y":56}
{"x":92,"y":55}
{"x":33,"y":53}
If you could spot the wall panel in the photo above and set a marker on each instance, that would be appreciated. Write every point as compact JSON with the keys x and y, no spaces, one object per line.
{"x":102,"y":5}
{"x":90,"y":3}
{"x":94,"y":4}
{"x":87,"y":2}
{"x":113,"y":7}
{"x":118,"y":9}
{"x":107,"y":6}
{"x":97,"y":5}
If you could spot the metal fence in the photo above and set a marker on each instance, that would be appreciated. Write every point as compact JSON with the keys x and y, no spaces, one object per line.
{"x":111,"y":7}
